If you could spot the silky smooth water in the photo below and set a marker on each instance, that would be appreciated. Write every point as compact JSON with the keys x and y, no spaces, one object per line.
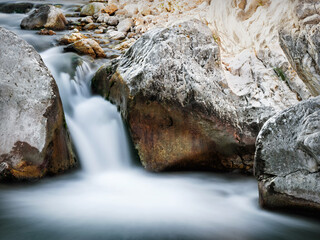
{"x":112,"y":198}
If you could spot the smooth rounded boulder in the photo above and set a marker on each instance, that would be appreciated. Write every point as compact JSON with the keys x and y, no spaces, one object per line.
{"x":34,"y":140}
{"x":287,"y":159}
{"x":46,"y":16}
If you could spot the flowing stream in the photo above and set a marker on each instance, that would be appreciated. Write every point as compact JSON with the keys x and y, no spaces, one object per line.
{"x":112,"y":197}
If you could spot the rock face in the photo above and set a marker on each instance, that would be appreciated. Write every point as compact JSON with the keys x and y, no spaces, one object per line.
{"x":302,"y":44}
{"x":33,"y":138}
{"x":46,"y":16}
{"x":287,"y":160}
{"x":179,"y":107}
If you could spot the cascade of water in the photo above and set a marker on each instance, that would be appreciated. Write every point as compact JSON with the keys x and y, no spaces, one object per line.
{"x":95,"y":125}
{"x":127,"y":203}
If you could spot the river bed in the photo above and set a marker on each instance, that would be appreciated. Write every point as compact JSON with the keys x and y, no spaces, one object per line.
{"x":111,"y":196}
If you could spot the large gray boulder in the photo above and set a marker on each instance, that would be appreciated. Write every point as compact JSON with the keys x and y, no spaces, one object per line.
{"x":47,"y":16}
{"x":180,"y":109}
{"x":33,"y":136}
{"x":287,"y":160}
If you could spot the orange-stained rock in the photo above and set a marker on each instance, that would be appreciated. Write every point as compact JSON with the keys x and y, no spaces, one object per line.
{"x":88,"y":47}
{"x":71,"y":38}
{"x":46,"y":32}
{"x":34,"y":140}
{"x":181,"y":114}
{"x":110,"y":9}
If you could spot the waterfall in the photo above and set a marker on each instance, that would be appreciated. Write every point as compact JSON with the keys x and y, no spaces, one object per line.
{"x":109,"y":198}
{"x":95,"y":125}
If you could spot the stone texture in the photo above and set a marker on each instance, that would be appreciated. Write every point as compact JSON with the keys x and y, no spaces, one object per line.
{"x":46,"y":16}
{"x":33,"y":138}
{"x":110,"y":9}
{"x":125,"y":25}
{"x":179,"y":107}
{"x":302,"y":45}
{"x":287,"y":158}
{"x":110,"y":20}
{"x":71,"y":38}
{"x":98,"y":83}
{"x":88,"y":47}
{"x":92,"y":8}
{"x":91,"y":26}
{"x":116,"y":35}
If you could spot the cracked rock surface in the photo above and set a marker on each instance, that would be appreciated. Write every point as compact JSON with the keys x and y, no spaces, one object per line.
{"x":301,"y":44}
{"x":33,"y":137}
{"x":287,"y":158}
{"x":181,"y":110}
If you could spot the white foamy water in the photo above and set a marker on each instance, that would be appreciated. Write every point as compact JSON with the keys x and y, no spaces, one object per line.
{"x":112,"y":198}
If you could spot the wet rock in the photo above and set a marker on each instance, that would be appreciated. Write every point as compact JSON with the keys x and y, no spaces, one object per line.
{"x":125,"y":25}
{"x":71,"y":38}
{"x":22,"y":7}
{"x":287,"y":160}
{"x":46,"y":16}
{"x":98,"y":31}
{"x":125,"y":45}
{"x":46,"y":32}
{"x":87,"y":19}
{"x":90,"y":26}
{"x":116,"y":35}
{"x":87,"y":47}
{"x":91,"y":9}
{"x":33,"y":138}
{"x":181,"y":112}
{"x":104,"y":72}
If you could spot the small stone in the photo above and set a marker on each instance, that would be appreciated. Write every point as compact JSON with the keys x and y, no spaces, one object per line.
{"x":87,"y":19}
{"x":131,"y":35}
{"x":125,"y":25}
{"x":102,"y":18}
{"x":110,"y":9}
{"x":121,"y":12}
{"x":113,"y":21}
{"x":91,"y":9}
{"x":88,"y":47}
{"x":98,"y":31}
{"x":71,"y":38}
{"x":116,"y":35}
{"x":46,"y":32}
{"x":90,"y":26}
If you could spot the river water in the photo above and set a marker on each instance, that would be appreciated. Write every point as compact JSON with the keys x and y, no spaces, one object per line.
{"x":111,"y":197}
